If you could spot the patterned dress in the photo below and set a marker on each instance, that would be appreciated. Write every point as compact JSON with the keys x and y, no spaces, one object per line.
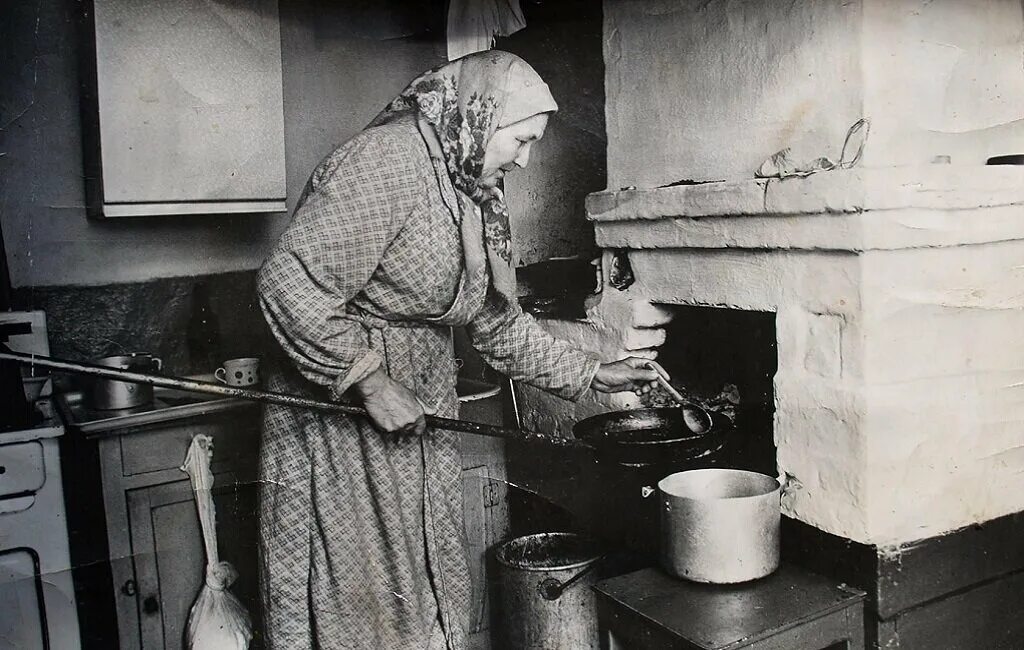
{"x":361,"y":535}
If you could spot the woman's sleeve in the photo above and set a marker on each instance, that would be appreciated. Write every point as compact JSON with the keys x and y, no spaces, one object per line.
{"x":354,"y":206}
{"x":513,"y":343}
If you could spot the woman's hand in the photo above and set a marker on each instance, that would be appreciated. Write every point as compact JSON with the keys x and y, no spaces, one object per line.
{"x":631,"y":373}
{"x":392,"y":407}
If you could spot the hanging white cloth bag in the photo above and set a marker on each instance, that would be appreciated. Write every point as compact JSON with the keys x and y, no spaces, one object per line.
{"x":218,"y":621}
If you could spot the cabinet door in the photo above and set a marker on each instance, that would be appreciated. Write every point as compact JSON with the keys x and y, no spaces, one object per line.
{"x":169,"y":559}
{"x":190,"y":109}
{"x":485,"y":518}
{"x":485,"y":508}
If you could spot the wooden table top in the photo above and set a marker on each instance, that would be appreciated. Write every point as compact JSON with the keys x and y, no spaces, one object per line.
{"x":715,"y":616}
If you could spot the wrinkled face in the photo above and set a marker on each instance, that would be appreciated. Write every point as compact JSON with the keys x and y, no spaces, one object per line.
{"x":509,"y":148}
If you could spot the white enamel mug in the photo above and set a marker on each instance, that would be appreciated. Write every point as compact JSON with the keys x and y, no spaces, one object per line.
{"x":239,"y":372}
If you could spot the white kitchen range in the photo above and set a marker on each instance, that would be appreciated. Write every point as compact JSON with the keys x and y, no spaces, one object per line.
{"x":37,"y":594}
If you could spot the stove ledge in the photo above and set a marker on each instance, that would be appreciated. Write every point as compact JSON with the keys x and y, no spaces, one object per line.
{"x":848,"y":210}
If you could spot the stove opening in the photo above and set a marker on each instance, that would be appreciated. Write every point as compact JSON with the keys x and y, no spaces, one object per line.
{"x":709,"y":350}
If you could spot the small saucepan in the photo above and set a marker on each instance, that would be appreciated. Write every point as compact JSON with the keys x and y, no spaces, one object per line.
{"x":109,"y":394}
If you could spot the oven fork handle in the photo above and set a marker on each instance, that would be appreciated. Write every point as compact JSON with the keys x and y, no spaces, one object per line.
{"x":269,"y":397}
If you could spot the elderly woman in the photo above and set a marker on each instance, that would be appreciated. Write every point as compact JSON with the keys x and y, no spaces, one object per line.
{"x":400,"y":234}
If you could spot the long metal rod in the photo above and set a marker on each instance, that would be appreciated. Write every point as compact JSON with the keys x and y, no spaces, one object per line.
{"x":269,"y":397}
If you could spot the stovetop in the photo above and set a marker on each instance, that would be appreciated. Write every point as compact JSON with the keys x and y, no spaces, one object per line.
{"x":47,"y":426}
{"x":168,"y":405}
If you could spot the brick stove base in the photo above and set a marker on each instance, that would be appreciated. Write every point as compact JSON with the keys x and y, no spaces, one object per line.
{"x":959,"y":591}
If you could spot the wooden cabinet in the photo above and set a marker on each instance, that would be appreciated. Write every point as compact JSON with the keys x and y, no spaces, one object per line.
{"x":155,"y":543}
{"x":187,"y":107}
{"x":152,"y":529}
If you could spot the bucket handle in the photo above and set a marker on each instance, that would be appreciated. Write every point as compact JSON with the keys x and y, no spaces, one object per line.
{"x":551,"y":589}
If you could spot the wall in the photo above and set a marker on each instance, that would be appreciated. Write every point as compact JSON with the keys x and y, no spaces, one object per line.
{"x":48,"y":238}
{"x":123,"y":284}
{"x":708,"y":90}
{"x":333,"y":84}
{"x":958,"y":88}
{"x":160,"y":316}
{"x":343,"y":62}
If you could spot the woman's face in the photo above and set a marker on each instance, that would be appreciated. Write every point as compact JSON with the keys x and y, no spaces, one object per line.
{"x":509,"y":148}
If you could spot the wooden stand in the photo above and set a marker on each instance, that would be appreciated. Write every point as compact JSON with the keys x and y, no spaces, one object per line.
{"x":790,"y":610}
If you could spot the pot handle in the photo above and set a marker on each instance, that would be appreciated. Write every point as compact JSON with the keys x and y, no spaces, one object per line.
{"x":158,"y":364}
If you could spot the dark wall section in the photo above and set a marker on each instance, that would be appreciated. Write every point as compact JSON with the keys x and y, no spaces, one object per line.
{"x":193,"y":324}
{"x":562,"y":41}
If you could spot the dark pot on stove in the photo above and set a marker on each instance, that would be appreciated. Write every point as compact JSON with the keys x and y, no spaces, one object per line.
{"x":638,"y":448}
{"x":109,"y":394}
{"x":630,"y":495}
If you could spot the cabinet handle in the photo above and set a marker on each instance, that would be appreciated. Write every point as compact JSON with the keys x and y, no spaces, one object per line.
{"x":128,"y":588}
{"x":151,"y":605}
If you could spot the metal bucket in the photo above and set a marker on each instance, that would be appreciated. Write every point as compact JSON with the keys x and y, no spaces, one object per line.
{"x":719,"y":525}
{"x":528,"y":565}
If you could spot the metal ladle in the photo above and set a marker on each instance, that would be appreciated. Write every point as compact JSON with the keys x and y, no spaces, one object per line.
{"x":696,"y":418}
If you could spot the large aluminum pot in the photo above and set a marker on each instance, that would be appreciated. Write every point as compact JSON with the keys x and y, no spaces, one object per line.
{"x":531,"y":617}
{"x":719,"y":525}
{"x":109,"y":394}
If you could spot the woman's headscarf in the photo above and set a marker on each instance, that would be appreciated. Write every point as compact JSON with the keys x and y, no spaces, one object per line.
{"x":466,"y":101}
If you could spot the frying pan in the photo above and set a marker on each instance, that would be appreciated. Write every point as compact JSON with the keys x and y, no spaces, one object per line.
{"x":637,"y":437}
{"x":649,"y":436}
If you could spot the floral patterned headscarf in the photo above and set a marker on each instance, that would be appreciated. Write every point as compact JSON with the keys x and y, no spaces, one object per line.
{"x":466,"y":101}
